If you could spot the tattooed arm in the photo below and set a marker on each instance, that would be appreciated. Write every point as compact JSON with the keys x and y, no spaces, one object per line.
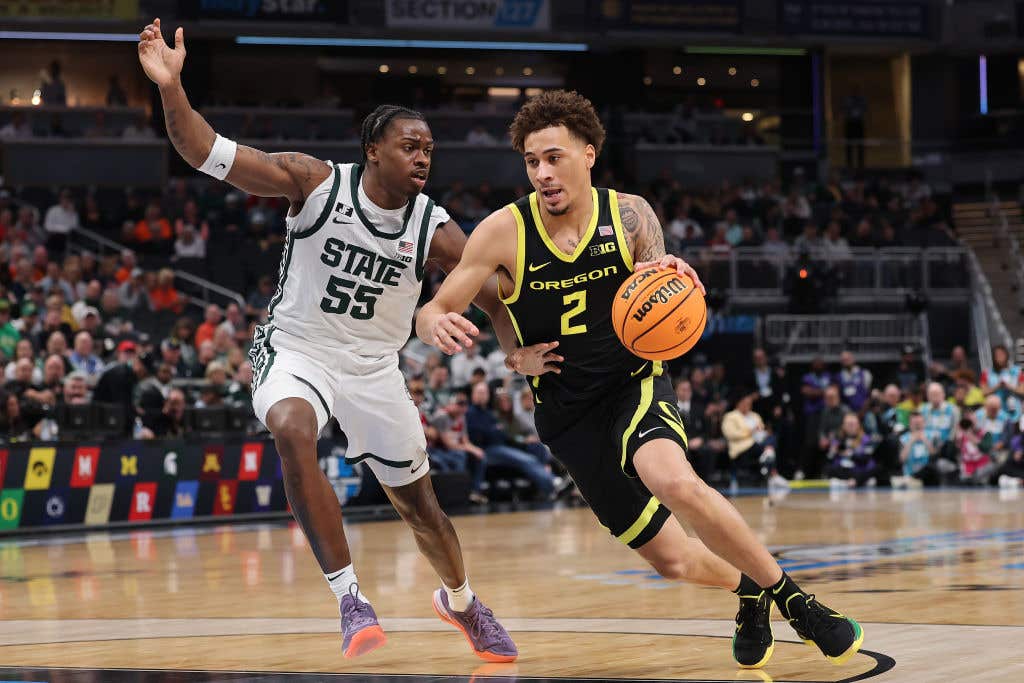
{"x":286,"y":174}
{"x":646,"y":239}
{"x":644,"y":236}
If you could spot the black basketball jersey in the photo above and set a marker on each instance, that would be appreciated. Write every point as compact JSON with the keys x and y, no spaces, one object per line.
{"x":568,"y":298}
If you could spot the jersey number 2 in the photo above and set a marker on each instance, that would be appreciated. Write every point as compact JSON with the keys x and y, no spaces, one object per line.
{"x":338,"y":300}
{"x":580,"y":301}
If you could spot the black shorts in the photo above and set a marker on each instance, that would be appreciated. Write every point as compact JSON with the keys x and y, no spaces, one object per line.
{"x":597,"y":447}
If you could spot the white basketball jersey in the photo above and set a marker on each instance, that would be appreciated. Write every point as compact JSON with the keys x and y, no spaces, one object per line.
{"x":350,"y":272}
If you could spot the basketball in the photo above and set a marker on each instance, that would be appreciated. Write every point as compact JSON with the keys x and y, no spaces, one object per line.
{"x":659,"y":314}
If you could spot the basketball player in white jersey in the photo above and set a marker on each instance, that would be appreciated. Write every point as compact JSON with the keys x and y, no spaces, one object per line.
{"x":358,"y":237}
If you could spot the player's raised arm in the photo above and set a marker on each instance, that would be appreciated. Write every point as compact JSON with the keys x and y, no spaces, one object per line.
{"x":646,"y":238}
{"x":286,"y":174}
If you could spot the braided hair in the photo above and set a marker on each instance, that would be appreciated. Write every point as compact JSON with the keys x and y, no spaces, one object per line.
{"x":376,"y":123}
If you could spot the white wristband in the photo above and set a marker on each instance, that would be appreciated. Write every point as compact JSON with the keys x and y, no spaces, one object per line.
{"x":221,"y":159}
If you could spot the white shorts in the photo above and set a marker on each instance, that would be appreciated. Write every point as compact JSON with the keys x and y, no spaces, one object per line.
{"x":368,"y":397}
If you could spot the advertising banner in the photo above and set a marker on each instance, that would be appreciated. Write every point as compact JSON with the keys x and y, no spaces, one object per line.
{"x":70,"y":9}
{"x":870,"y":18}
{"x":700,"y":15}
{"x":470,"y":15}
{"x":335,"y":11}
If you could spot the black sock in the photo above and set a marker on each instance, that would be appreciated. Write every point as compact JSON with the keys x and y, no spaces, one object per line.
{"x":747,"y":587}
{"x":782,"y":590}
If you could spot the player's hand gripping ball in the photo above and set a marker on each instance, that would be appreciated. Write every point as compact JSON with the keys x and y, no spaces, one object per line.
{"x":659,"y":314}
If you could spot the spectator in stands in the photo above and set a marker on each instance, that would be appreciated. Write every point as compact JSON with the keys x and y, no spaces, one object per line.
{"x":809,"y":240}
{"x":854,"y":382}
{"x":773,"y":246}
{"x":127,"y":267}
{"x":23,"y":350}
{"x":940,"y":420}
{"x":751,"y":446}
{"x":835,"y":246}
{"x":485,"y":432}
{"x":140,"y":129}
{"x":53,"y":377}
{"x":170,"y":421}
{"x":84,"y":360}
{"x":770,"y":382}
{"x":52,"y":90}
{"x":152,"y":392}
{"x":190,"y":216}
{"x":812,"y":389}
{"x":213,"y":319}
{"x":27,"y":226}
{"x":684,"y":231}
{"x":518,"y":424}
{"x":832,"y":414}
{"x":908,"y":372}
{"x":259,"y":301}
{"x":170,"y":353}
{"x":850,"y":456}
{"x":14,"y":424}
{"x":917,"y":455}
{"x":479,"y":135}
{"x":76,"y":389}
{"x":1005,"y":379}
{"x":115,"y":93}
{"x":9,"y":335}
{"x":22,"y":379}
{"x":189,"y":244}
{"x":153,"y":230}
{"x":463,"y":364}
{"x":18,"y":128}
{"x":976,"y":467}
{"x":733,"y":229}
{"x":132,"y":293}
{"x":443,"y":456}
{"x":239,"y":390}
{"x":164,"y":297}
{"x":1011,"y":474}
{"x":117,"y":384}
{"x":451,"y":423}
{"x":995,"y":426}
{"x":916,"y":190}
{"x":61,"y":219}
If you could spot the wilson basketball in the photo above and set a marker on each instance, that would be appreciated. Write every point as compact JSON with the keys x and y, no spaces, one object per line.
{"x":659,"y":314}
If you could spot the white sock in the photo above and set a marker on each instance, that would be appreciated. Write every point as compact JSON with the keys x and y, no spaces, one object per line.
{"x":459,"y":599}
{"x":341,"y":583}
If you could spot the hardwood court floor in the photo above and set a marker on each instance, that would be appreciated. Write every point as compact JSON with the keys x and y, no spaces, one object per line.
{"x":935,"y":578}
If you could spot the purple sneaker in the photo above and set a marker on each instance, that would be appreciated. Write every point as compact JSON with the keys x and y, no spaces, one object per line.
{"x":359,"y":627}
{"x":489,"y":640}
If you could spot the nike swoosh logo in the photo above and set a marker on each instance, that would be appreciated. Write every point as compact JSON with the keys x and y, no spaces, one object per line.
{"x":534,"y":268}
{"x":221,"y":166}
{"x":413,"y":470}
{"x":645,"y":433}
{"x":638,"y":370}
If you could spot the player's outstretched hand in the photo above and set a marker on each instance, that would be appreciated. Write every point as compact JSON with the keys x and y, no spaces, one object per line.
{"x":452,"y":332}
{"x":160,"y":62}
{"x":534,"y":360}
{"x":681,"y":267}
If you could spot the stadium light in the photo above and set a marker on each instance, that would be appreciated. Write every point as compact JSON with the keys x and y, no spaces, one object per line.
{"x":429,"y":44}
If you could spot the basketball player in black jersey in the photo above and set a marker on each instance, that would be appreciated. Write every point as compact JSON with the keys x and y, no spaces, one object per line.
{"x":560,"y":255}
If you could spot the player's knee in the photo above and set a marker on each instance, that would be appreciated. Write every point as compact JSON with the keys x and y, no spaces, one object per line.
{"x":674,"y":568}
{"x":685,"y":490}
{"x":294,"y":432}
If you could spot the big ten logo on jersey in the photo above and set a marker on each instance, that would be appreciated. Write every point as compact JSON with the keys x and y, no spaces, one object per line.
{"x":602,"y":248}
{"x":213,"y":463}
{"x":249,"y":464}
{"x":83,"y":469}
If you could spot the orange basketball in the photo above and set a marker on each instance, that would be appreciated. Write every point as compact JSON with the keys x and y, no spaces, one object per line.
{"x":659,"y":314}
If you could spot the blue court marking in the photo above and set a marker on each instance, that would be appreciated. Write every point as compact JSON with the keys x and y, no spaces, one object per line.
{"x":1018,"y":565}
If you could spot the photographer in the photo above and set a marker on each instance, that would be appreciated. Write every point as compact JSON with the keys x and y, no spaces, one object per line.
{"x":917,"y":454}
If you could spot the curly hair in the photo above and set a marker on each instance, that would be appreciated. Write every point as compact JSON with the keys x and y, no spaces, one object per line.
{"x":376,"y":123}
{"x":558,"y":108}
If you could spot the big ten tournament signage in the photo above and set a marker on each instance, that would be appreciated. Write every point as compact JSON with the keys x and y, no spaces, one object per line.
{"x":334,"y":11}
{"x":70,"y":9}
{"x":470,"y":15}
{"x":724,"y":16}
{"x":871,"y":18}
{"x":136,"y":482}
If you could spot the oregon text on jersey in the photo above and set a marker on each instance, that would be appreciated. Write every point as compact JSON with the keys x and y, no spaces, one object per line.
{"x":569,"y":283}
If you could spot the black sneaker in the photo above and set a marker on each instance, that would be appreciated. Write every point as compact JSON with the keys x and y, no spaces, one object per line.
{"x":753,"y":643}
{"x":836,"y":635}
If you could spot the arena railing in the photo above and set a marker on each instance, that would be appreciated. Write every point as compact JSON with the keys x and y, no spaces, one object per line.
{"x":200,"y":291}
{"x":873,"y":338}
{"x":753,"y":273}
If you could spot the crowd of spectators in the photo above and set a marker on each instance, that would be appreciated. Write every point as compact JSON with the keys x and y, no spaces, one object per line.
{"x":917,"y":426}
